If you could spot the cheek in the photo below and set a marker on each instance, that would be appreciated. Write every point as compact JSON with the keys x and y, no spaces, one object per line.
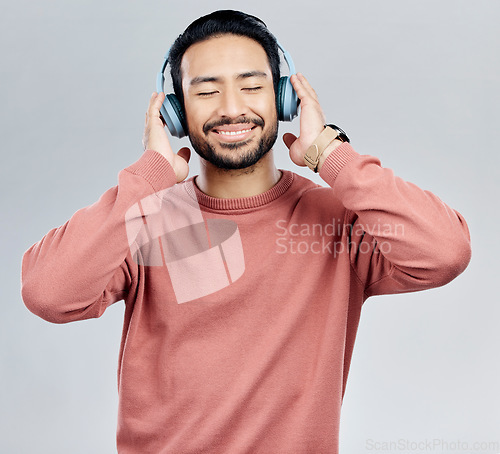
{"x":272,"y":105}
{"x":194,"y":118}
{"x":266,"y":108}
{"x":272,"y":114}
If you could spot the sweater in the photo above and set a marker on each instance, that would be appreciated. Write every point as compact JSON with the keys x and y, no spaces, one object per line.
{"x":240,"y":315}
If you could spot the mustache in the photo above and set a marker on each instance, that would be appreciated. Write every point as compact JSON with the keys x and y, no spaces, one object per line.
{"x":228,"y":121}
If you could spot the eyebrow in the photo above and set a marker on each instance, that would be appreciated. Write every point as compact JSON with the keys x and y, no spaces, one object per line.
{"x":203,"y":79}
{"x":251,"y":74}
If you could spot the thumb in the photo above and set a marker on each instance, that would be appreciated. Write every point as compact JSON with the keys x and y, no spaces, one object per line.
{"x":184,"y":153}
{"x":289,"y":139}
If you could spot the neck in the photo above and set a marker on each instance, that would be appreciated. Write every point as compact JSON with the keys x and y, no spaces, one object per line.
{"x":230,"y":184}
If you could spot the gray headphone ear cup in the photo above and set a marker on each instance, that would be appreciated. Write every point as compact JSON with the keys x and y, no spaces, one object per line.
{"x":289,"y":101}
{"x":280,"y":97}
{"x":179,"y":111}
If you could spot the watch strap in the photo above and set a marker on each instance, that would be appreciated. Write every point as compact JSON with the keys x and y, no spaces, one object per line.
{"x":342,"y":135}
{"x":314,"y":152}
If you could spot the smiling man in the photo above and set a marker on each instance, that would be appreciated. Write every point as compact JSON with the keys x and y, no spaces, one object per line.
{"x":243,"y":285}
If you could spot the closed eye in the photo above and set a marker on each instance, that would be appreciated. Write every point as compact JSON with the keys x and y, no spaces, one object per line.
{"x":252,"y":88}
{"x":208,"y":93}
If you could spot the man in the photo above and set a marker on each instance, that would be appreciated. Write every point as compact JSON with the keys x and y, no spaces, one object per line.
{"x":243,"y":286}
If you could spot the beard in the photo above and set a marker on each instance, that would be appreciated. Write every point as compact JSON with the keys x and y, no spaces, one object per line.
{"x":239,"y":159}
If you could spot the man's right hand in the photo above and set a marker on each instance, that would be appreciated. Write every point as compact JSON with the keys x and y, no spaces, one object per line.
{"x":155,"y":138}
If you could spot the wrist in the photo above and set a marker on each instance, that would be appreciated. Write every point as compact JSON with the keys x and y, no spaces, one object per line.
{"x":328,"y":151}
{"x":329,"y":139}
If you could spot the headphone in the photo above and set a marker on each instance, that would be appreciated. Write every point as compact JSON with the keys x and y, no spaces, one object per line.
{"x":172,"y":112}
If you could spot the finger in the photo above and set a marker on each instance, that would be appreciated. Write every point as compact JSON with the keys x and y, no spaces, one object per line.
{"x":307,"y":85}
{"x":151,"y":100}
{"x":160,"y":97}
{"x":184,"y":153}
{"x":289,"y":139}
{"x":299,"y":87}
{"x":155,"y":104}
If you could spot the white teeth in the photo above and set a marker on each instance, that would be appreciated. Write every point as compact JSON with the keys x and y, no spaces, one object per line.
{"x":233,"y":133}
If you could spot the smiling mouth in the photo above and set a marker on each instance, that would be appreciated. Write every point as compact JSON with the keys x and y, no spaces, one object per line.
{"x":233,"y":133}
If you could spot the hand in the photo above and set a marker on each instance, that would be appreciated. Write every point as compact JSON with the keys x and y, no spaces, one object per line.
{"x":312,"y":120}
{"x":155,"y":138}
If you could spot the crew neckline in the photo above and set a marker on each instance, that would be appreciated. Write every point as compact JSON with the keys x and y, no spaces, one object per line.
{"x":240,"y":203}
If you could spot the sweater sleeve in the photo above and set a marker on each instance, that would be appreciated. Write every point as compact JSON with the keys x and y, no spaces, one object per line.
{"x":401,"y":238}
{"x":79,"y":269}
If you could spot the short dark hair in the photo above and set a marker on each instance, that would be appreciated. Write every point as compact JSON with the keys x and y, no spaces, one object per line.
{"x":216,"y":24}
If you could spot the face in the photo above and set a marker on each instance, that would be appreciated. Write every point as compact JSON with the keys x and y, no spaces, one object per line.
{"x":229,"y":101}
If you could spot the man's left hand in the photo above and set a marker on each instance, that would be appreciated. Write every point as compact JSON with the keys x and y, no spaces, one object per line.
{"x":312,"y":120}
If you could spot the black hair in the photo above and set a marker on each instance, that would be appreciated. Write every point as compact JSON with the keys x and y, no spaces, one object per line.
{"x":217,"y":24}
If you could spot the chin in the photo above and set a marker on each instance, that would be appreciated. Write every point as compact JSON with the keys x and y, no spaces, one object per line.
{"x":237,"y":155}
{"x":225,"y":162}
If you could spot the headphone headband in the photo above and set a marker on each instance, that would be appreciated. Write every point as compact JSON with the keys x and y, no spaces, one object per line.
{"x":288,"y":59}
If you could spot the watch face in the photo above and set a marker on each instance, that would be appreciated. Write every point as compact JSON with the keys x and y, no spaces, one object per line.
{"x":342,"y":135}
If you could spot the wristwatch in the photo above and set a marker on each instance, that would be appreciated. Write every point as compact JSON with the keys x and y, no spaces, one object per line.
{"x":327,"y":136}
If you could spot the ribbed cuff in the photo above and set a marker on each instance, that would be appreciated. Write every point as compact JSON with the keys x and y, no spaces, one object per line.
{"x":154,"y":168}
{"x":336,"y":161}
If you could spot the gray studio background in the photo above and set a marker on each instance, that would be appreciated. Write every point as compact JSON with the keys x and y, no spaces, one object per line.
{"x":415,"y":83}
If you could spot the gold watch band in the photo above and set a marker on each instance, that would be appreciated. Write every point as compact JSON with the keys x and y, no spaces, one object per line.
{"x":314,"y":152}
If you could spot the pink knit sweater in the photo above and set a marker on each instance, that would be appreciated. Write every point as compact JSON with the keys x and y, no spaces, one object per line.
{"x":241,"y":314}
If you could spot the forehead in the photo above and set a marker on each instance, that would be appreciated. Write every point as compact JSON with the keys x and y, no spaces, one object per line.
{"x":224,"y":56}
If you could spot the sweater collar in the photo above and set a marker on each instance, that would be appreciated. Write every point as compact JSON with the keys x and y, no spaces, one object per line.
{"x":240,"y":203}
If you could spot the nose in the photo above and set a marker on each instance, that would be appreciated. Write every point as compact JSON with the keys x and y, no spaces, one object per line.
{"x":232,"y":104}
